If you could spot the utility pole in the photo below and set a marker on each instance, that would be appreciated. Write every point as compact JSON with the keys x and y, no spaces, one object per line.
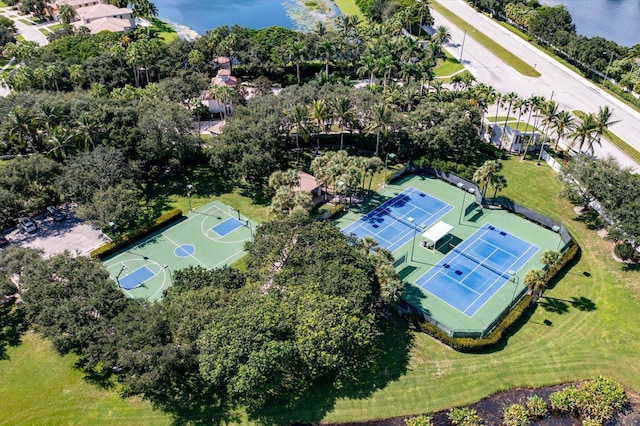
{"x":464,"y":37}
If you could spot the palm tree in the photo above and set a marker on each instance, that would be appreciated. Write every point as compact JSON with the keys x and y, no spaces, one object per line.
{"x":380,"y":118}
{"x":58,"y":142}
{"x":20,"y":126}
{"x":509,"y":99}
{"x":535,"y":280}
{"x":584,"y":132}
{"x":67,"y":13}
{"x":442,"y":35}
{"x":53,"y":75}
{"x":297,"y":53}
{"x":327,"y":48}
{"x":86,"y":130}
{"x":535,"y":103}
{"x":499,"y":103}
{"x":498,"y":183}
{"x":603,"y":122}
{"x":485,"y":174}
{"x":49,"y":115}
{"x":563,"y":125}
{"x":522,"y":106}
{"x":343,"y":113}
{"x":319,"y":112}
{"x":549,"y":114}
{"x":384,"y":65}
{"x":372,"y":166}
{"x":550,"y":258}
{"x":368,"y":66}
{"x":77,"y":75}
{"x":422,"y":7}
{"x":298,"y":116}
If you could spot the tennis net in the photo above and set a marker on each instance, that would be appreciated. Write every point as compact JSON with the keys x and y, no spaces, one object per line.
{"x":481,"y":263}
{"x":411,"y":225}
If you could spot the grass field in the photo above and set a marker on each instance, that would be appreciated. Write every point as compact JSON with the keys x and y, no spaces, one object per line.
{"x":447,"y":67}
{"x":349,"y":7}
{"x":510,"y":59}
{"x":596,"y":334}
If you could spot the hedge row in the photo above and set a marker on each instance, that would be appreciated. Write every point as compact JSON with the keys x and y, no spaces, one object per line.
{"x":479,"y":344}
{"x":566,"y":257}
{"x":470,"y":344}
{"x":126,"y":239}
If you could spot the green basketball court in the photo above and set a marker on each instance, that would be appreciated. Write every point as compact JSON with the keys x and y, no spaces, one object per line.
{"x":212,"y":236}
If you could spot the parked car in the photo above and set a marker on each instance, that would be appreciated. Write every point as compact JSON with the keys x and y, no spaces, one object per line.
{"x":27,"y":225}
{"x":3,"y":242}
{"x":57,"y":214}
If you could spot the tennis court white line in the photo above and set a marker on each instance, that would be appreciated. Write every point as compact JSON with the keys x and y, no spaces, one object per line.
{"x":485,"y":231}
{"x":507,"y":280}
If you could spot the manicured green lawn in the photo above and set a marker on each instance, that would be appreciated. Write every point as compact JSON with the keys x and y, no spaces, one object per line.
{"x":596,"y":334}
{"x":349,"y":7}
{"x":582,"y":341}
{"x":447,"y":67}
{"x":497,"y":49}
{"x":165,"y":31}
{"x":40,"y":387}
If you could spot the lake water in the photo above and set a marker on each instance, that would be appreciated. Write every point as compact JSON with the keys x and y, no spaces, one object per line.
{"x":203,"y":15}
{"x":617,"y":20}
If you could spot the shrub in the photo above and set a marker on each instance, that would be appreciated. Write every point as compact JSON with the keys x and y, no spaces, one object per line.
{"x":419,"y":421}
{"x":564,"y":401}
{"x":536,"y":407}
{"x":599,"y":399}
{"x":124,"y":240}
{"x":515,"y":415}
{"x":625,"y":251}
{"x":470,"y":344}
{"x":464,"y":417}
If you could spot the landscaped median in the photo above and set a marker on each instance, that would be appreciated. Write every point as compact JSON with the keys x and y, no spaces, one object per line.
{"x":509,"y":58}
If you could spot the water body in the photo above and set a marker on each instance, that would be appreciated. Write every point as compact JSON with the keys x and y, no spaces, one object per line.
{"x":617,"y":20}
{"x":203,"y":15}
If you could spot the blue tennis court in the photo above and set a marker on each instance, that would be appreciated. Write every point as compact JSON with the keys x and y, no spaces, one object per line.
{"x":394,"y":223}
{"x":477,"y":268}
{"x":227,"y":226}
{"x":135,"y":278}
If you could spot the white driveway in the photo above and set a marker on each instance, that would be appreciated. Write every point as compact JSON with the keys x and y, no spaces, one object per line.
{"x":570,"y":90}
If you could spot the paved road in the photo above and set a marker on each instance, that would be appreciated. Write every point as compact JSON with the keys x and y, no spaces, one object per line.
{"x":569,"y":89}
{"x":29,"y":32}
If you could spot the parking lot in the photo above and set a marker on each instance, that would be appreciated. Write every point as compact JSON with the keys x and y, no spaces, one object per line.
{"x":71,"y":234}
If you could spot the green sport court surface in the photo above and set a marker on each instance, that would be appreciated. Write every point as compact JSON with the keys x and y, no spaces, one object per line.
{"x":211,"y":236}
{"x":442,"y":298}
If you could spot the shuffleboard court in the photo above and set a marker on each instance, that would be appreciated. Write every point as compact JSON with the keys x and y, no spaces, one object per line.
{"x":477,"y":268}
{"x":396,"y":221}
{"x":210,"y":237}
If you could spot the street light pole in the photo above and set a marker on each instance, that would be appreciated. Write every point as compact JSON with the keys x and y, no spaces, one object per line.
{"x":606,"y":71}
{"x":464,"y":37}
{"x":464,"y":195}
{"x":386,"y":169}
{"x":189,"y":188}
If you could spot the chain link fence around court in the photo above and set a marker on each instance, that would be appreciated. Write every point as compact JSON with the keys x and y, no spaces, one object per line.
{"x":499,"y":202}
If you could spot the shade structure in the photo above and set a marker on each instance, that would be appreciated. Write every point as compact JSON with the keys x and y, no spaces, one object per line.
{"x":431,"y":236}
